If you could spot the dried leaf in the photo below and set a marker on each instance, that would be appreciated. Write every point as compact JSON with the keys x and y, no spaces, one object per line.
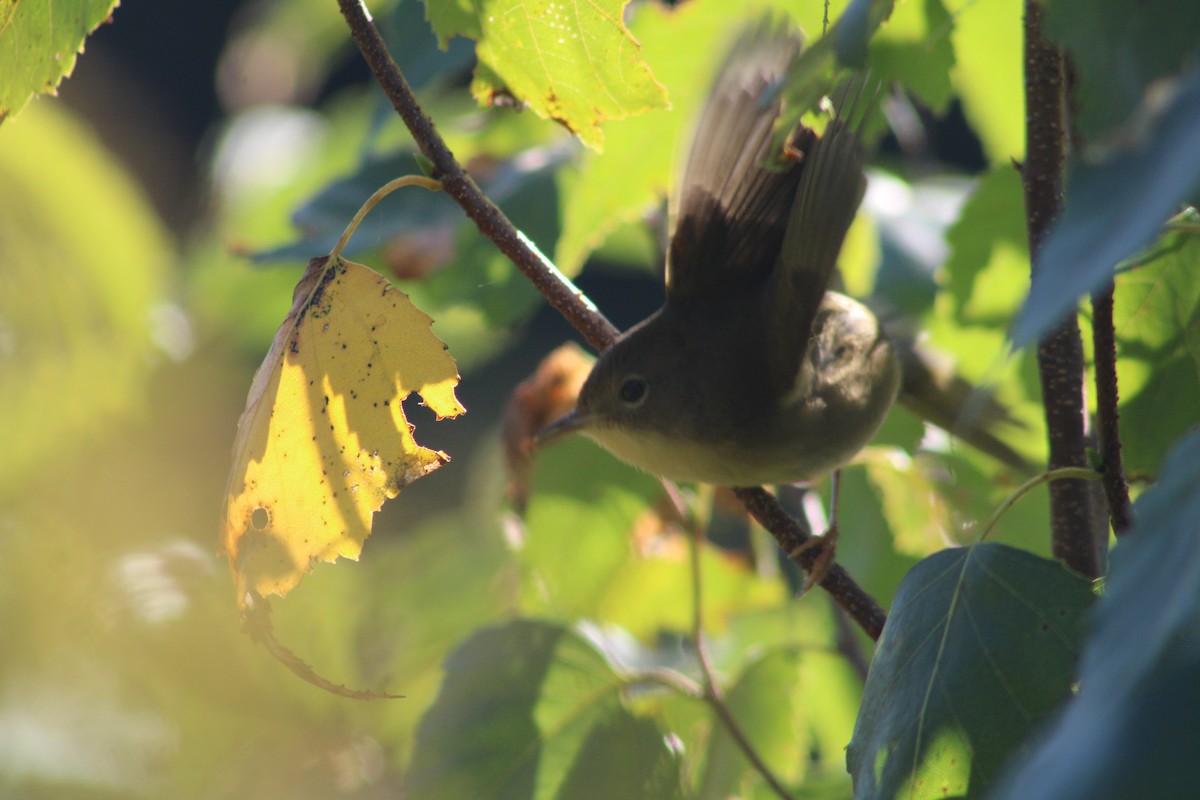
{"x":324,"y":440}
{"x":546,"y":395}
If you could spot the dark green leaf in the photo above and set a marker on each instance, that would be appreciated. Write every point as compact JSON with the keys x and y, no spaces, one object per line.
{"x":1118,"y":47}
{"x":531,"y":710}
{"x":1114,"y":209}
{"x":980,"y":645}
{"x":1131,"y":730}
{"x":322,"y":219}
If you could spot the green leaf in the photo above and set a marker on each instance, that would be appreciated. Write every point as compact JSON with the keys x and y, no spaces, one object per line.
{"x":576,"y":64}
{"x":1131,"y":730}
{"x":987,"y":272}
{"x":633,"y":172}
{"x":582,"y":508}
{"x":1114,"y":209}
{"x":914,"y":49}
{"x":621,"y":563}
{"x":531,"y":710}
{"x":767,"y":710}
{"x":39,"y":41}
{"x":83,"y":258}
{"x":643,"y":153}
{"x":980,"y":645}
{"x":988,"y":74}
{"x":1156,"y":314}
{"x":1118,"y":48}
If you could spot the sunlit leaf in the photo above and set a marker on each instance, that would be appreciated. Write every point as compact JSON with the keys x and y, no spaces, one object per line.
{"x":39,"y":41}
{"x":980,"y":645}
{"x":573,"y":63}
{"x":621,"y":562}
{"x":768,"y":710}
{"x":83,"y":259}
{"x":913,"y":47}
{"x":988,"y":74}
{"x":987,"y":273}
{"x":1156,"y":314}
{"x":324,"y":439}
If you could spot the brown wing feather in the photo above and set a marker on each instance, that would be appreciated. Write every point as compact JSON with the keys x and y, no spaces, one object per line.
{"x":733,"y":207}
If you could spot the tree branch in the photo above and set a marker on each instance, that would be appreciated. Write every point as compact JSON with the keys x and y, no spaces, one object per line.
{"x":861,"y":607}
{"x":545,"y":277}
{"x":562,"y":294}
{"x":1116,"y":488}
{"x":1060,"y":351}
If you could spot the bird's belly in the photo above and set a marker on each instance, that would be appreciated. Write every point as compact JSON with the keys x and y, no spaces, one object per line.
{"x":725,"y":464}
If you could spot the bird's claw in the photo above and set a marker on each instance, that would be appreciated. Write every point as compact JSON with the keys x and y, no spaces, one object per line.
{"x":824,"y":560}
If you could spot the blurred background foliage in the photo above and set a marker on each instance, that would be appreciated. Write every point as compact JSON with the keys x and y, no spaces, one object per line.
{"x":154,"y":220}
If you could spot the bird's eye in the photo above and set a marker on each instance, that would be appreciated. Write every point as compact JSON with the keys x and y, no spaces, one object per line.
{"x":633,"y":391}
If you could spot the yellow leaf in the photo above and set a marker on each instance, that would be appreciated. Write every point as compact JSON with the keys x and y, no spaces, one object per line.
{"x":324,"y":440}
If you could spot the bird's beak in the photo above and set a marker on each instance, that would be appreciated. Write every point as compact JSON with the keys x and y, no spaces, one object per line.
{"x":570,"y":422}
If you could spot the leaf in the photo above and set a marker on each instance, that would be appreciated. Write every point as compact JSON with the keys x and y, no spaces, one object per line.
{"x":988,"y":75}
{"x":980,"y":645}
{"x":1156,"y":315}
{"x":1131,"y":730}
{"x":575,"y":63}
{"x":913,"y":47}
{"x":769,"y":712}
{"x":83,"y":259}
{"x":988,"y":267}
{"x":1114,"y":209}
{"x":39,"y":40}
{"x":531,"y":710}
{"x":324,"y":439}
{"x":626,"y":565}
{"x":322,"y":218}
{"x":1118,"y":47}
{"x":643,"y":149}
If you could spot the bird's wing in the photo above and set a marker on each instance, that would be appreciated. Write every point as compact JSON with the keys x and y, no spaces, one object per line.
{"x":733,"y":206}
{"x":831,"y":188}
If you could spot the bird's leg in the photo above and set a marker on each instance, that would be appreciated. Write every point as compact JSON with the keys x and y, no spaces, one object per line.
{"x":826,"y":542}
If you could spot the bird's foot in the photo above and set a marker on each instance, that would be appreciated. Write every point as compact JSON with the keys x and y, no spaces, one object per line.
{"x":827,"y":545}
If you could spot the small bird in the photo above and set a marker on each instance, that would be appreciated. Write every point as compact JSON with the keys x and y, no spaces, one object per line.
{"x":752,"y":372}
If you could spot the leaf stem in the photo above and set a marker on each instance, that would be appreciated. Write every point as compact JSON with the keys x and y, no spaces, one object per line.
{"x":554,"y":286}
{"x":1062,"y":473}
{"x":373,"y":200}
{"x":559,"y":291}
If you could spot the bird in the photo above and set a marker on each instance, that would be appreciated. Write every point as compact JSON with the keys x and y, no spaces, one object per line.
{"x":752,"y":372}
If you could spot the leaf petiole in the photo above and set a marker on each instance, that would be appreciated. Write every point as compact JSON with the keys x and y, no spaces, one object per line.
{"x":372,"y":201}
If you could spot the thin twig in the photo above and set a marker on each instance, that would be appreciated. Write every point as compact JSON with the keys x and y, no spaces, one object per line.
{"x":712,"y":690}
{"x":558,"y":290}
{"x":1060,"y":351}
{"x":556,"y":287}
{"x":1116,"y":487}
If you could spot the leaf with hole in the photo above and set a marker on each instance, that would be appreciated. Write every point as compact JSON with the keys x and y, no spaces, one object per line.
{"x":324,"y":439}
